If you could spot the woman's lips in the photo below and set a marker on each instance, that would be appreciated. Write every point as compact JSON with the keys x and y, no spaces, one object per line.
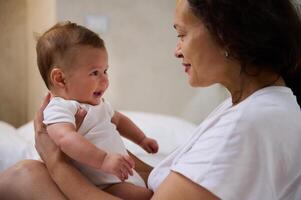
{"x":186,"y":66}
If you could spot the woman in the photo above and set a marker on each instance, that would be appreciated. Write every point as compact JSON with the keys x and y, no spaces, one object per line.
{"x":248,"y":148}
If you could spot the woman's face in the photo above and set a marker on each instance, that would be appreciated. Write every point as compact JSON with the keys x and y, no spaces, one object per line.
{"x":203,"y":60}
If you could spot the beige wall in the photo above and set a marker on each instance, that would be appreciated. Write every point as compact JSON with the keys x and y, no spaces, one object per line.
{"x":13,"y":62}
{"x":144,"y":75}
{"x":41,"y":15}
{"x":20,"y":83}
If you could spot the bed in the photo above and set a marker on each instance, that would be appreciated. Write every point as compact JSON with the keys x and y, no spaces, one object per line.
{"x":169,"y":131}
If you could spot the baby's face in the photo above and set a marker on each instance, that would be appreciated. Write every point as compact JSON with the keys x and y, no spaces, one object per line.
{"x":88,"y":79}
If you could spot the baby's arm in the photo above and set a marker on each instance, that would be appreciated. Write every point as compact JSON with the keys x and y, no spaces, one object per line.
{"x":80,"y":149}
{"x":128,"y":129}
{"x":75,"y":145}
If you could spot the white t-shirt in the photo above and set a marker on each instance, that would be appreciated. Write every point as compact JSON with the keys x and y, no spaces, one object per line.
{"x":249,"y":151}
{"x":97,"y":128}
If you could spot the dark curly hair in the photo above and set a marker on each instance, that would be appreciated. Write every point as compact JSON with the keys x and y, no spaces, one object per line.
{"x":263,"y":33}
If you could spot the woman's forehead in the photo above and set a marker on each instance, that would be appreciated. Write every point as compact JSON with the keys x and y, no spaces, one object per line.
{"x":184,"y":15}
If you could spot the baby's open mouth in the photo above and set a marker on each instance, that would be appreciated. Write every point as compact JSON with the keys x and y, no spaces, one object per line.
{"x":97,"y":94}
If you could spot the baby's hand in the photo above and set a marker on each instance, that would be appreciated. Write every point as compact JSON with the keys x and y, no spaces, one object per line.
{"x":118,"y":165}
{"x":149,"y":145}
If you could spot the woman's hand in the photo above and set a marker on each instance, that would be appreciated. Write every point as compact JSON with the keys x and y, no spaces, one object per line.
{"x":47,"y":149}
{"x":44,"y":145}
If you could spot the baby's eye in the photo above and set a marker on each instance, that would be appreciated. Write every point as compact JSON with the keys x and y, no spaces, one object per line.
{"x":106,"y":71}
{"x":95,"y":73}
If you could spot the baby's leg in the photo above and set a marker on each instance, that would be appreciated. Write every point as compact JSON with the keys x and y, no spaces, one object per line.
{"x":129,"y":191}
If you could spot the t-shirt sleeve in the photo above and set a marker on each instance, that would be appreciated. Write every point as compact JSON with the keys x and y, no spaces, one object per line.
{"x":221,"y":160}
{"x":60,"y":110}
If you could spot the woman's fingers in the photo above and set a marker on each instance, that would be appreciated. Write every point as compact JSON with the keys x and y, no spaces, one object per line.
{"x":79,"y":117}
{"x":38,"y":120}
{"x":43,"y":143}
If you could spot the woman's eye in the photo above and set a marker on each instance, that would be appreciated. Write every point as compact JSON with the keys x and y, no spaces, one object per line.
{"x":106,"y":71}
{"x":181,"y":37}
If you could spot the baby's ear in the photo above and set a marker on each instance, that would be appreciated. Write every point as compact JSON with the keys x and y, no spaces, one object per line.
{"x":57,"y":77}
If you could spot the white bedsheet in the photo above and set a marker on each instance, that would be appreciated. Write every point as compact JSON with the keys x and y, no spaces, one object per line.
{"x":169,"y":131}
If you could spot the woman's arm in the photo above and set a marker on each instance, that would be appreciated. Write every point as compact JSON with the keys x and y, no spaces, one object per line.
{"x":70,"y":181}
{"x":178,"y":187}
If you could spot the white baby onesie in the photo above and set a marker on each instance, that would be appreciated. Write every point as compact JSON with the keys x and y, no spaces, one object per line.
{"x":97,"y":128}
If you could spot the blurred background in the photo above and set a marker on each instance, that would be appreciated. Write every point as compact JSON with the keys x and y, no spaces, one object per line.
{"x":144,"y":75}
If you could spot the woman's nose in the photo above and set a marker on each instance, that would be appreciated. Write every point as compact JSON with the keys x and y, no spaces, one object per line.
{"x":178,"y":52}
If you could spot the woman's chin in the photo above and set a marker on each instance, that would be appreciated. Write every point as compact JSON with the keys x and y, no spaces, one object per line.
{"x":193,"y":83}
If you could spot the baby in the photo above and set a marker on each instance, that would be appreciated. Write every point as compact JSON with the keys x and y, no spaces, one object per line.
{"x":73,"y":62}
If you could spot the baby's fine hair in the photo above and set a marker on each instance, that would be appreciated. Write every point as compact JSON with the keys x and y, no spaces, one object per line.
{"x":53,"y":45}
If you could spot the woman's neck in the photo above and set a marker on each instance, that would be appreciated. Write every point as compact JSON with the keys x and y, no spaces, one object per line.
{"x":247,"y":84}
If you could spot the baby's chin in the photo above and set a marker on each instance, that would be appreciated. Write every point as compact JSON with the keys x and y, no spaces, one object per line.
{"x":94,"y":102}
{"x":97,"y":102}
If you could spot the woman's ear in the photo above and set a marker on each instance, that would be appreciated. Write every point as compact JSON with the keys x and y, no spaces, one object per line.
{"x":57,"y":77}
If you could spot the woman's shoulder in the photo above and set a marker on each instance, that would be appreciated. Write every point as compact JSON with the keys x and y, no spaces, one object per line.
{"x":267,"y":101}
{"x":269,"y":113}
{"x":269,"y":104}
{"x":271,"y":109}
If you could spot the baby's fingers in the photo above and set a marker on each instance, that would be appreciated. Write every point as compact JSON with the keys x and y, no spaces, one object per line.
{"x":148,"y":148}
{"x":128,"y":165}
{"x":125,"y":174}
{"x":120,"y":175}
{"x":154,"y":147}
{"x":129,"y":160}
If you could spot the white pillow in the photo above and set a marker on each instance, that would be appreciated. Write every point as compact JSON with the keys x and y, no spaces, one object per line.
{"x":169,"y":132}
{"x":26,"y":131}
{"x":13,"y":147}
